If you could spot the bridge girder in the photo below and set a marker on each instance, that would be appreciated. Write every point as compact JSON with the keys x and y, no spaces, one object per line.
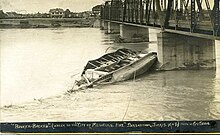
{"x":194,"y":16}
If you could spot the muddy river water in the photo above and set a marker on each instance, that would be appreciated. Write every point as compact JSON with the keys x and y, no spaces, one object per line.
{"x":38,"y":66}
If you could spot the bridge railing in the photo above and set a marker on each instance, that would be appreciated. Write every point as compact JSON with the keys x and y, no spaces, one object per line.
{"x":195,"y":16}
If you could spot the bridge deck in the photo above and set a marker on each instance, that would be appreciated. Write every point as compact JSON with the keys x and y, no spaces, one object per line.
{"x":189,"y":17}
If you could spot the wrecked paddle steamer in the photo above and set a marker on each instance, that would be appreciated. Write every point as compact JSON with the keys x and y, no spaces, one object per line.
{"x":120,"y":65}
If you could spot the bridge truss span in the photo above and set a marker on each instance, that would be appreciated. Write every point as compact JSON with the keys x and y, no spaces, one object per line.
{"x":200,"y":17}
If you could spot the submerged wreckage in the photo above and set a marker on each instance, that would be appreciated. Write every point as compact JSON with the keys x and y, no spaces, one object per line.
{"x":120,"y":65}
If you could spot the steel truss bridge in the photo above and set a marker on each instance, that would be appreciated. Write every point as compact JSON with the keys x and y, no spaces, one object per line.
{"x":191,"y":17}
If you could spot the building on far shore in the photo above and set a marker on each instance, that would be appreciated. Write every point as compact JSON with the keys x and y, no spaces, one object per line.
{"x":97,"y":10}
{"x":53,"y":13}
{"x":56,"y":13}
{"x":2,"y":14}
{"x":67,"y":13}
{"x":86,"y":14}
{"x":13,"y":15}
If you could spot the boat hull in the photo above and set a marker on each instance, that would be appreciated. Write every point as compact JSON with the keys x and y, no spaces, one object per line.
{"x":128,"y":66}
{"x":134,"y":69}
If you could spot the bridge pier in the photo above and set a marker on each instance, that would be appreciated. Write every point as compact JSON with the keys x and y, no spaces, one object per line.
{"x":177,"y":51}
{"x":132,"y":34}
{"x":103,"y":25}
{"x":113,"y":28}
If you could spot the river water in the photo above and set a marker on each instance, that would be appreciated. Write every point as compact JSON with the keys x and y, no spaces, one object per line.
{"x":38,"y":66}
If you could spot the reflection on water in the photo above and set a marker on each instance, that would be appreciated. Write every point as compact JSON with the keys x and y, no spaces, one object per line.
{"x":39,"y":63}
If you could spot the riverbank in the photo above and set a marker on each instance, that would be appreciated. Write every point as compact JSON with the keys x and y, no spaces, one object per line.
{"x":47,"y":22}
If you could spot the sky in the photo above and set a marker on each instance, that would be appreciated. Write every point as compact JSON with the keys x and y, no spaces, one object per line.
{"x":34,"y":6}
{"x":43,"y":6}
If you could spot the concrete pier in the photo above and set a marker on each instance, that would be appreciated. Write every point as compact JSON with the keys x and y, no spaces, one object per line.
{"x":130,"y":33}
{"x":177,"y":51}
{"x":113,"y":28}
{"x":97,"y":23}
{"x":104,"y":25}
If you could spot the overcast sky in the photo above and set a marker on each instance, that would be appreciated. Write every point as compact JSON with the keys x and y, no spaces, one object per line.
{"x":33,"y":6}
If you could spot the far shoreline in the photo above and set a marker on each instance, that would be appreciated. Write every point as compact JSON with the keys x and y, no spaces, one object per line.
{"x":32,"y":23}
